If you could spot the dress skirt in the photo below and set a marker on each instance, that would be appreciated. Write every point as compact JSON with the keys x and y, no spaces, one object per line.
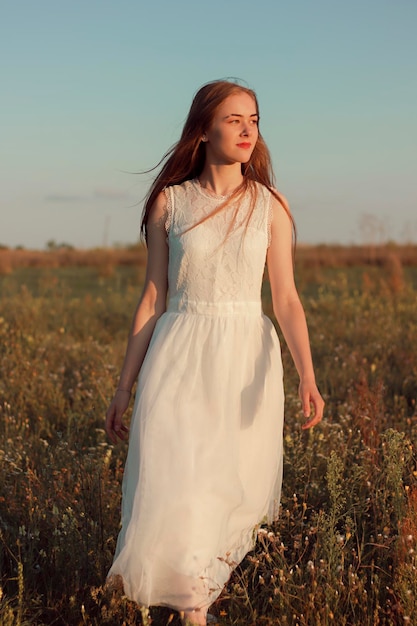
{"x":204,"y":465}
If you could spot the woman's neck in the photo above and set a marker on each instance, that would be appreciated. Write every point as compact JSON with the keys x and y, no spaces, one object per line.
{"x":221,"y":181}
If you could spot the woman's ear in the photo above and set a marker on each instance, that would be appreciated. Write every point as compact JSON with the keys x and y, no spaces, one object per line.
{"x":204,"y":138}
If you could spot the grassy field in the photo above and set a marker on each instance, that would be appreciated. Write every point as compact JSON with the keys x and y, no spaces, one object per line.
{"x":344,"y":550}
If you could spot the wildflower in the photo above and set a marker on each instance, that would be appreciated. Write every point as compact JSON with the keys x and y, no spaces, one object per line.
{"x":107,"y":458}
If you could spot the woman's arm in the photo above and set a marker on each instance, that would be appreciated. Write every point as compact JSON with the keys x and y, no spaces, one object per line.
{"x":151,"y":306}
{"x":290,"y":313}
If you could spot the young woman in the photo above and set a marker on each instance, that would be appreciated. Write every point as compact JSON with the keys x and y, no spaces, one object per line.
{"x":204,"y":466}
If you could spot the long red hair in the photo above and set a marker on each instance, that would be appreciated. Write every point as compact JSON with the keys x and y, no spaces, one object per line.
{"x":185,"y":160}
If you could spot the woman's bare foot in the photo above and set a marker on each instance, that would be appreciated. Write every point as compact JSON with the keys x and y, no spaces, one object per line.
{"x":194,"y":618}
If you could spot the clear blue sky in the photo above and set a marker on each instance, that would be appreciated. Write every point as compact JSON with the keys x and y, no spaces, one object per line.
{"x":91,"y":89}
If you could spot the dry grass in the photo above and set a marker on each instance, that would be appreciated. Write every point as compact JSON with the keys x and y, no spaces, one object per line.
{"x":355,"y":256}
{"x":343,"y":549}
{"x":314,"y":257}
{"x":67,"y":257}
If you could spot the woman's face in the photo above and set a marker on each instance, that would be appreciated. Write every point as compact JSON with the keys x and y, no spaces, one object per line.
{"x":233,"y":133}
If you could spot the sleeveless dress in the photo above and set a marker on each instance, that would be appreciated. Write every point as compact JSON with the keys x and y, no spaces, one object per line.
{"x":204,"y":465}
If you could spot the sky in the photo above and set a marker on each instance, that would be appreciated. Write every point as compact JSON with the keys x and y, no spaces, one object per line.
{"x":93,"y":91}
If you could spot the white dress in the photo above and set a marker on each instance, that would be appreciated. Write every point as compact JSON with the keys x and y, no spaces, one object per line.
{"x":204,"y":466}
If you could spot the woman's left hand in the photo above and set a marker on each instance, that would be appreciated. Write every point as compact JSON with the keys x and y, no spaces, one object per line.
{"x":310,"y":396}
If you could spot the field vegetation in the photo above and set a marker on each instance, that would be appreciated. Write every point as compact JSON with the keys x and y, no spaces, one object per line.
{"x":107,"y":259}
{"x":344,"y":550}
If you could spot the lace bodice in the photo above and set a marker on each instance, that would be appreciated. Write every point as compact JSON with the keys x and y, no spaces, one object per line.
{"x":220,"y":261}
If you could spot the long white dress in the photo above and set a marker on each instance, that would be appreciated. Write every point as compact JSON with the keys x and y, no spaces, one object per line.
{"x":204,"y":465}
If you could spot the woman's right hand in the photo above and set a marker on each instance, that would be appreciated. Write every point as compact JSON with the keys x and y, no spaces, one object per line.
{"x":151,"y":306}
{"x":114,"y":424}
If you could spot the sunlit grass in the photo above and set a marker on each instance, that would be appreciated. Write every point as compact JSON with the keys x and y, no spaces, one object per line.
{"x":344,"y":548}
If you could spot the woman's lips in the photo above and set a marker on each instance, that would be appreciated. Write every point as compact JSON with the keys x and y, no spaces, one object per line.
{"x":245,"y":145}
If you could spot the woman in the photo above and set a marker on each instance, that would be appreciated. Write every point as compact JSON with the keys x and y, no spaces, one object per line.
{"x":204,"y":466}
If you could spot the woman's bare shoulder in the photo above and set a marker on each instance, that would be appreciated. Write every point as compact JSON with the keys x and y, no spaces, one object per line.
{"x":158,"y":210}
